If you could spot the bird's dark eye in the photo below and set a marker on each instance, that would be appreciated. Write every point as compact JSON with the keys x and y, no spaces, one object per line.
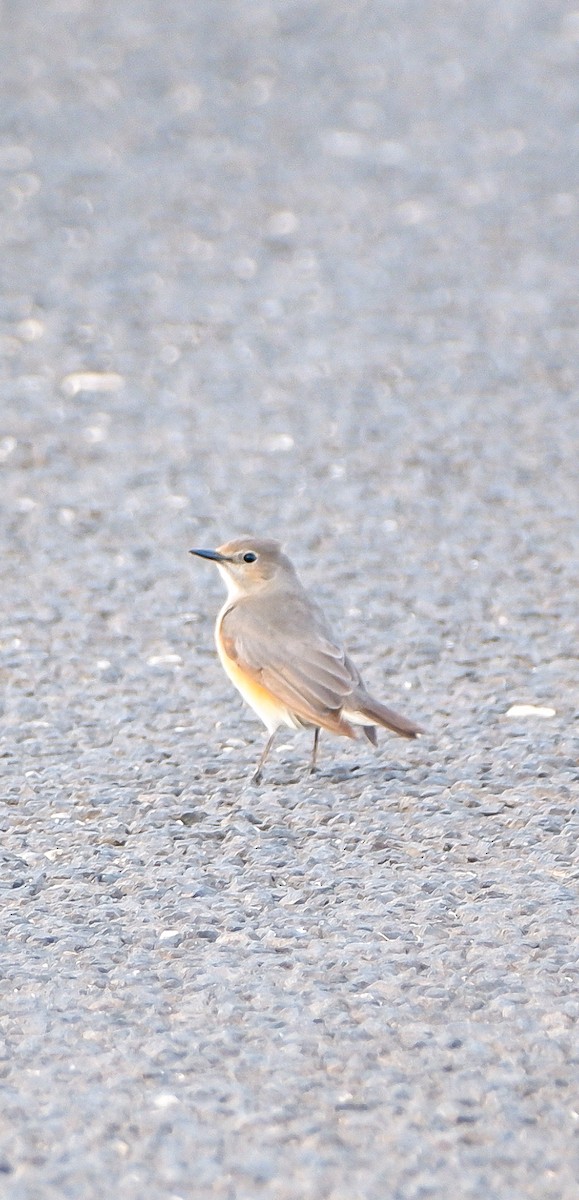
{"x":250,"y":556}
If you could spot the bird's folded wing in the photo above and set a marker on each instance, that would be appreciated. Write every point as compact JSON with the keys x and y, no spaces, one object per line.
{"x":293,"y":659}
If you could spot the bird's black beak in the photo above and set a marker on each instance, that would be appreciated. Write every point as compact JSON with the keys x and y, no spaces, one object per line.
{"x":214,"y":555}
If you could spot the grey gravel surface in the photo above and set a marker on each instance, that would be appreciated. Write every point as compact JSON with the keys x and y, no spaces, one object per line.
{"x":307,"y":270}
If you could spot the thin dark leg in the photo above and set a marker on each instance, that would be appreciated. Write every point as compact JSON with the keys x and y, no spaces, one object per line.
{"x":256,"y":777}
{"x":315,"y":751}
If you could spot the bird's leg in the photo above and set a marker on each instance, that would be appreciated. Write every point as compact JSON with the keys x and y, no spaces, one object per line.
{"x":312,"y":769}
{"x":256,"y":777}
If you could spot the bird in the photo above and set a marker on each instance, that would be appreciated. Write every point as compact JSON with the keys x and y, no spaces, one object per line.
{"x":280,"y":652}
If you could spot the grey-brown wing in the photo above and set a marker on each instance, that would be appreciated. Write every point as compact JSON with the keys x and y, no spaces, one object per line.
{"x":288,"y":648}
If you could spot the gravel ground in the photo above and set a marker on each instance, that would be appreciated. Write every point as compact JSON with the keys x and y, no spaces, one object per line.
{"x":308,"y":270}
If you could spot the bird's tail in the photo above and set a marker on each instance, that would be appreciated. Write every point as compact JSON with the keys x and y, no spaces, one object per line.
{"x":370,"y":712}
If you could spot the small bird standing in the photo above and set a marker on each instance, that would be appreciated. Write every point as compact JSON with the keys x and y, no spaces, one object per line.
{"x":278,"y":650}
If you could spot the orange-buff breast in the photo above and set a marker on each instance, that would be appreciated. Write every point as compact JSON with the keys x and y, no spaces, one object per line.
{"x":268,"y":708}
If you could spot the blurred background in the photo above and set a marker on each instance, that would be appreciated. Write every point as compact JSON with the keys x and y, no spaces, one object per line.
{"x":304,"y":269}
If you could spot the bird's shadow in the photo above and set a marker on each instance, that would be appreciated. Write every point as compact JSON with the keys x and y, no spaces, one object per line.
{"x":340,"y":773}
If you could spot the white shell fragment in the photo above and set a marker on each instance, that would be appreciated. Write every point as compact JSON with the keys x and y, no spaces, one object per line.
{"x":92,"y":381}
{"x":530,"y":710}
